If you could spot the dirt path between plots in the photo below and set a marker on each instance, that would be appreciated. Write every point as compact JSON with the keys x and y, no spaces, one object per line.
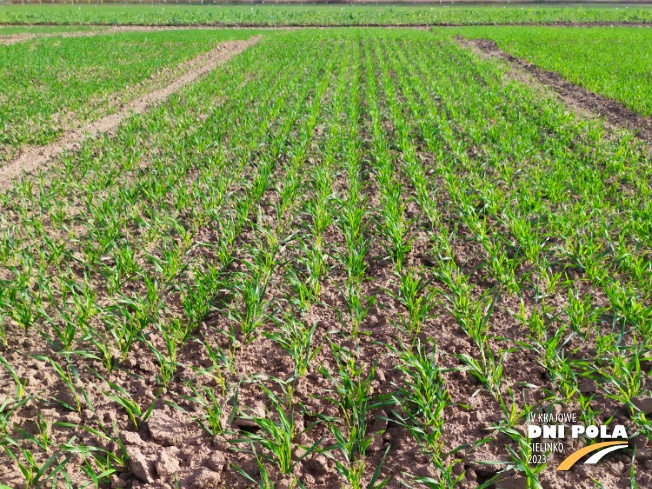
{"x":581,"y":100}
{"x":8,"y":39}
{"x":33,"y":158}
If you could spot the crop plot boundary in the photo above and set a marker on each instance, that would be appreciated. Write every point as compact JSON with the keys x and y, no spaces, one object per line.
{"x":9,"y":39}
{"x":33,"y":158}
{"x":580,"y":99}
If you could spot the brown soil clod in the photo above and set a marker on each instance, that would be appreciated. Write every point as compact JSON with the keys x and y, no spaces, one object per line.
{"x":33,"y":158}
{"x":582,"y":100}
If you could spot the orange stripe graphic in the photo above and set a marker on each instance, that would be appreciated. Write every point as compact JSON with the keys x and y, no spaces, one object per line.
{"x":574,"y":457}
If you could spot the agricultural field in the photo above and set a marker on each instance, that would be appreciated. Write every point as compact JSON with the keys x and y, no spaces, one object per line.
{"x":270,"y":14}
{"x":356,"y":258}
{"x":51,"y":83}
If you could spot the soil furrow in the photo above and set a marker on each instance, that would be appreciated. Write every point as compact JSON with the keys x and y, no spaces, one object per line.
{"x":34,"y":158}
{"x":579,"y":99}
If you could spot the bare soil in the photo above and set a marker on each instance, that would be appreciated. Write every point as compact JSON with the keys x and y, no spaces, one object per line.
{"x":36,"y":157}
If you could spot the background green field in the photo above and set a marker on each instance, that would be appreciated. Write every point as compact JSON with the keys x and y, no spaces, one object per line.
{"x":277,"y":15}
{"x":47,"y":83}
{"x":614,"y":62}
